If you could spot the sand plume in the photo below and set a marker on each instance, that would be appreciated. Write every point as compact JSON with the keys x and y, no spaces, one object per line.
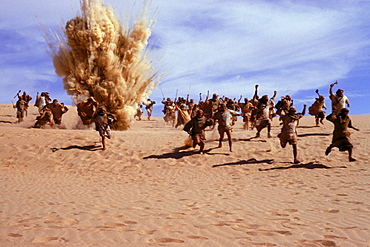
{"x":100,"y":57}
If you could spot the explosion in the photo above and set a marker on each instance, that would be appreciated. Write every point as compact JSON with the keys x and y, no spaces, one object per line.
{"x":97,"y":57}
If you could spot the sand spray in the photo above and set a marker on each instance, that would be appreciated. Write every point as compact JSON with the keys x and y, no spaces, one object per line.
{"x":98,"y":57}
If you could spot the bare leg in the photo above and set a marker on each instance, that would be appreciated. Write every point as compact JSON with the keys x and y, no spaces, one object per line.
{"x":245,"y":126}
{"x":221,"y":139}
{"x":328,"y":150}
{"x":269,"y":131}
{"x":282,"y":144}
{"x":295,"y":154}
{"x":351,"y":159}
{"x":103,"y":142}
{"x":259,"y":129}
{"x":228,"y":133}
{"x":195,"y":142}
{"x":253,"y":124}
{"x":258,"y":134}
{"x":201,"y":144}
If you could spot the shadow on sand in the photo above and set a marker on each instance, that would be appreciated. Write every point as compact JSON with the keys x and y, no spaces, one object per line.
{"x":313,"y":134}
{"x":89,"y":148}
{"x":309,"y":127}
{"x":178,"y":155}
{"x":9,"y":122}
{"x":246,"y":162}
{"x":310,"y":165}
{"x":251,"y":139}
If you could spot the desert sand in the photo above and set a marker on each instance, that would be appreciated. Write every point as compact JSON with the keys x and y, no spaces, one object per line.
{"x":58,"y":188}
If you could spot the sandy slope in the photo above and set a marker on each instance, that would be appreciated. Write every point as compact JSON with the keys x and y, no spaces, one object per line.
{"x":58,"y":188}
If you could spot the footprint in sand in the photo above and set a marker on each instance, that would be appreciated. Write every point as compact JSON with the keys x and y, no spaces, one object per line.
{"x":316,"y":242}
{"x":130,"y":222}
{"x":14,"y":235}
{"x":176,"y":216}
{"x":196,"y":237}
{"x":333,"y":211}
{"x":354,"y":202}
{"x":147,"y":232}
{"x":342,"y":195}
{"x":333,"y":236}
{"x":59,"y":221}
{"x":116,"y":225}
{"x":49,"y":240}
{"x":164,"y":240}
{"x":282,"y":212}
{"x":268,"y":233}
{"x":98,"y":211}
{"x":286,"y":233}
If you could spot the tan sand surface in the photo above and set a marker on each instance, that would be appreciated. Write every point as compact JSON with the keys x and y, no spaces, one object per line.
{"x":58,"y":188}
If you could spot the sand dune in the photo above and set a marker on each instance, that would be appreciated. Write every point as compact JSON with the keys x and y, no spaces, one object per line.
{"x":58,"y":188}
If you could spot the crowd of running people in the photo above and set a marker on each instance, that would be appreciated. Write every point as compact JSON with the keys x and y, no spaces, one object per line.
{"x":257,"y":113}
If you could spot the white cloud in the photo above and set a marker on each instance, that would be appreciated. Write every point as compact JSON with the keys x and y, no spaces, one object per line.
{"x":228,"y":46}
{"x":287,"y":46}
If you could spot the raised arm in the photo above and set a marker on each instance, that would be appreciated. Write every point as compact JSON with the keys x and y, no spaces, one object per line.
{"x":331,"y":87}
{"x":304,"y":110}
{"x":207,"y":97}
{"x":255,"y":96}
{"x":274,"y":96}
{"x":241,"y":96}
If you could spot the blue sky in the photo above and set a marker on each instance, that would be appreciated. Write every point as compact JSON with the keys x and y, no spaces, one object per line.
{"x":226,"y":47}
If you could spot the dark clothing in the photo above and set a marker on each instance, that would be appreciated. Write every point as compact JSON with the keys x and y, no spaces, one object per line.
{"x":197,"y":125}
{"x":58,"y":110}
{"x":21,"y":106}
{"x":341,"y":135}
{"x":103,"y":123}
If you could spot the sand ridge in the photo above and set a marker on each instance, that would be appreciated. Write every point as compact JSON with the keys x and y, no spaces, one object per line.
{"x":58,"y":188}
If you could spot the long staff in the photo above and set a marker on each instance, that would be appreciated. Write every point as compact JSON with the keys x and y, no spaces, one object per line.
{"x":162,"y":93}
{"x":176,"y":95}
{"x":17,"y":94}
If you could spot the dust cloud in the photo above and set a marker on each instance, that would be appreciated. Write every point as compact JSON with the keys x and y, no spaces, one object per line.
{"x":99,"y":57}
